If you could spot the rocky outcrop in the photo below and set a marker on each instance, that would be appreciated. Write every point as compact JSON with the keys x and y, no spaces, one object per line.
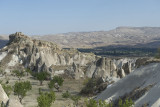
{"x":142,"y":86}
{"x":22,"y":51}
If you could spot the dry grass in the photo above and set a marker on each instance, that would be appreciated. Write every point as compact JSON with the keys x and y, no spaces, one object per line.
{"x":73,"y":86}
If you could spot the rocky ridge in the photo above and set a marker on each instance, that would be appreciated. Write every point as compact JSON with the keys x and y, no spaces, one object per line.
{"x":25,"y":52}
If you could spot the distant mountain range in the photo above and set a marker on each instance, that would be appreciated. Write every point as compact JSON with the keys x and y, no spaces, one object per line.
{"x":119,"y":37}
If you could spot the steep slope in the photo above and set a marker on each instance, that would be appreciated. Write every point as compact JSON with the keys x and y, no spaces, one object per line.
{"x":123,"y":36}
{"x":142,"y":86}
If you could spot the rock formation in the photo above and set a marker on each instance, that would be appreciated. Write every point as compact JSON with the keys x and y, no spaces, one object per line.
{"x":24,"y":52}
{"x":142,"y":86}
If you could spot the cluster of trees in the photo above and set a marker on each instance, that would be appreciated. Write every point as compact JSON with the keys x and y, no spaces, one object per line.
{"x":45,"y":99}
{"x":20,"y":88}
{"x":90,"y":87}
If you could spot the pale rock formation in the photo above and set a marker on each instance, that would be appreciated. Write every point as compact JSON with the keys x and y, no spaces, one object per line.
{"x":145,"y":78}
{"x":47,"y":56}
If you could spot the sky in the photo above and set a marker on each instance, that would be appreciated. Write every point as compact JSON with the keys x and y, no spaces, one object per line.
{"x":40,"y":17}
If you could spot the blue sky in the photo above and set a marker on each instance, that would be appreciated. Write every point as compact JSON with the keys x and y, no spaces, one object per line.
{"x":60,"y":16}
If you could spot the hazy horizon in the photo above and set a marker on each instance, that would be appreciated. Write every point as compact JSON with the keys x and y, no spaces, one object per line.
{"x":58,"y":16}
{"x":79,"y":31}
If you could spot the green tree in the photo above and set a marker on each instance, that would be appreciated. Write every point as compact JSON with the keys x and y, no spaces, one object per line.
{"x":18,"y":74}
{"x":7,"y":89}
{"x":41,"y":76}
{"x":21,"y":88}
{"x":46,"y":99}
{"x":56,"y":82}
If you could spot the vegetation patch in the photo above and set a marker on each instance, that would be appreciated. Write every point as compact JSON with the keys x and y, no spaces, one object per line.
{"x":93,"y":86}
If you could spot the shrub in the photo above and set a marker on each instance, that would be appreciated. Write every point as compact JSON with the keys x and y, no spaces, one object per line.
{"x":46,"y":99}
{"x":90,"y":87}
{"x":56,"y":82}
{"x":66,"y":94}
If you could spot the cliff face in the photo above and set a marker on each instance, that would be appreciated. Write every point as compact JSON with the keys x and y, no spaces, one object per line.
{"x":38,"y":55}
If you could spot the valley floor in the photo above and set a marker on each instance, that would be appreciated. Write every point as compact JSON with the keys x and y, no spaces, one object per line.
{"x":73,"y":86}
